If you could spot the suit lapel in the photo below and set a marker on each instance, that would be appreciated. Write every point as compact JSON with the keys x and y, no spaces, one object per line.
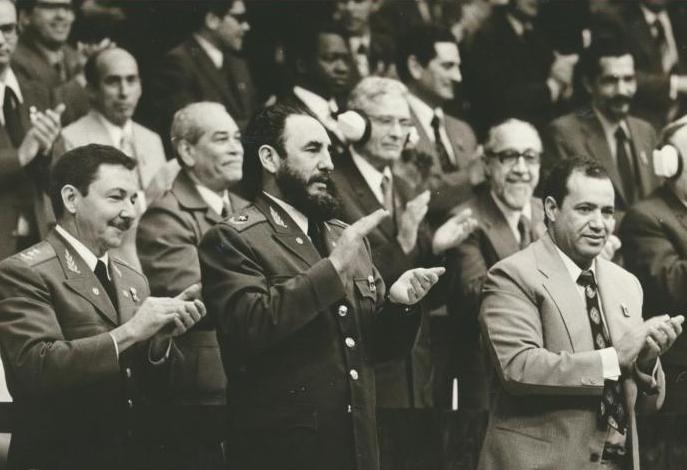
{"x":81,"y":279}
{"x":645,"y":173}
{"x":564,"y":293}
{"x":287,"y":232}
{"x":208,"y":69}
{"x":598,"y":146}
{"x":496,"y":227}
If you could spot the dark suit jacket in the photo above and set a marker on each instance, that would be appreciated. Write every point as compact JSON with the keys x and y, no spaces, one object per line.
{"x":654,"y":236}
{"x":407,"y":383}
{"x":30,"y":63}
{"x":506,"y":77}
{"x":448,"y":189}
{"x":22,"y":189}
{"x":167,"y":239}
{"x":652,"y":101}
{"x":68,"y":385}
{"x":581,"y":133}
{"x":298,"y":345}
{"x":187,"y":75}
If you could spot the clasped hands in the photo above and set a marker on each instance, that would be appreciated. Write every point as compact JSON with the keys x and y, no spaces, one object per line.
{"x":646,"y":342}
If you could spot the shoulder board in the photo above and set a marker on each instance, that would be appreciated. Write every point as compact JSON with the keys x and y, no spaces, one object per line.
{"x":119,"y":264}
{"x":338,"y":223}
{"x":37,"y":254}
{"x":245,"y":218}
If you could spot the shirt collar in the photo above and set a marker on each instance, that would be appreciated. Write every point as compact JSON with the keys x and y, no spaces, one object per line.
{"x":321,"y":107}
{"x":86,"y":254}
{"x":297,"y":216}
{"x":573,"y":269}
{"x":423,"y":111}
{"x":610,"y":127}
{"x":212,"y":199}
{"x":651,"y":17}
{"x":372,"y":175}
{"x":213,"y":52}
{"x":114,"y":131}
{"x":513,"y":215}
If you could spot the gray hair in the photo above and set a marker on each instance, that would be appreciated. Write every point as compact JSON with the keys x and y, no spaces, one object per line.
{"x":370,"y":89}
{"x":187,"y":121}
{"x":512,"y":124}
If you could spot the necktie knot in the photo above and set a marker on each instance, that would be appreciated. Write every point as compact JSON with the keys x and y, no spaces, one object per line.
{"x":620,"y":134}
{"x":586,"y":279}
{"x":436,"y":122}
{"x":658,"y":31}
{"x":101,"y":270}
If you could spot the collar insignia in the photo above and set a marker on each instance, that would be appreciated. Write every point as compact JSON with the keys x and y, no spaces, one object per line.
{"x":71,"y":264}
{"x":277,"y":218}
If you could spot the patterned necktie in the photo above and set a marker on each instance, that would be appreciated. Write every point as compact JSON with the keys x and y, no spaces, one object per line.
{"x":612,"y":406}
{"x":10,"y":110}
{"x":447,"y":165}
{"x":100,"y":272}
{"x":625,"y":166}
{"x":317,"y":238}
{"x":524,"y":230}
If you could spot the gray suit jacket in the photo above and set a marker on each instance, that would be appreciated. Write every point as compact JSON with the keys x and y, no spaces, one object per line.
{"x":537,"y":331}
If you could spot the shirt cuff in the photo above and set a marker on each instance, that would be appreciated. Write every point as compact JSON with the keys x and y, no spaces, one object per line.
{"x":609,"y":363}
{"x":165,"y":356}
{"x":672,"y":93}
{"x":115,"y":345}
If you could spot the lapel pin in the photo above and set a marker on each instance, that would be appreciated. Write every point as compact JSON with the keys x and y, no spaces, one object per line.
{"x":134,"y":294}
{"x":299,"y":240}
{"x":626,"y":311}
{"x":96,"y":291}
{"x":371,"y":283}
{"x":125,"y":294}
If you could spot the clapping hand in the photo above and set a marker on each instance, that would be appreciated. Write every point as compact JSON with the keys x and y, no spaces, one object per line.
{"x":454,"y":231}
{"x":414,"y":284}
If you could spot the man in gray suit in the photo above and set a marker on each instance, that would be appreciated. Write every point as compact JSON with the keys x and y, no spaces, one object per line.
{"x":605,"y":130}
{"x":565,"y":334}
{"x":428,"y":63}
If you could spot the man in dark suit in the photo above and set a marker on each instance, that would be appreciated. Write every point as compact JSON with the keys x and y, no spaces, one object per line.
{"x":428,"y":63}
{"x":509,"y":220}
{"x":373,"y":51}
{"x":44,"y":55}
{"x":79,"y":338}
{"x":302,"y":312}
{"x":512,"y":70}
{"x":565,"y":333}
{"x":208,"y":66}
{"x":606,"y":131}
{"x":26,"y":143}
{"x":365,"y":183}
{"x":655,"y":35}
{"x":654,"y":240}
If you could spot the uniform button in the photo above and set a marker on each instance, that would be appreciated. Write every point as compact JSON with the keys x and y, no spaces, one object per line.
{"x":349,"y":409}
{"x":354,"y":374}
{"x":128,"y":373}
{"x":594,"y":457}
{"x":343,"y":310}
{"x":130,"y":403}
{"x":350,"y":342}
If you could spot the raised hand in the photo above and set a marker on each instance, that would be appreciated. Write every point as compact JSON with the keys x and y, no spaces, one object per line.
{"x":45,"y":128}
{"x":351,"y":240}
{"x":410,"y":221}
{"x":414,"y":284}
{"x":454,"y":231}
{"x":660,"y":338}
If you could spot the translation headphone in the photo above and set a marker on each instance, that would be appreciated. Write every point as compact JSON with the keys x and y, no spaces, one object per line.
{"x":667,"y":158}
{"x":356,"y":128}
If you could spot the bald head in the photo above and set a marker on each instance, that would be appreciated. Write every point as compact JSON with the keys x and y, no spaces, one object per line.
{"x":114,"y":84}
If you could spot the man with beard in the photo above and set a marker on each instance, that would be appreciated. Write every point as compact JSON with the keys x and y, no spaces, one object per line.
{"x":115,"y":88}
{"x":605,"y":130}
{"x":509,"y":220}
{"x":302,"y":312}
{"x":79,"y":338}
{"x":565,"y":333}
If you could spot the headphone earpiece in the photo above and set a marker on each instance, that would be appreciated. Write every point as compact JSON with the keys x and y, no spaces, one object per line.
{"x":355,"y":126}
{"x":667,"y":162}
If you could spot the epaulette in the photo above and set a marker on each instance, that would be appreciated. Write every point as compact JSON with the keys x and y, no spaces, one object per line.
{"x":118,"y":263}
{"x":37,"y":254}
{"x":245,"y":218}
{"x":338,"y":223}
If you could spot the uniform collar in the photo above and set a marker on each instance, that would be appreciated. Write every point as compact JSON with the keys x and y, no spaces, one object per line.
{"x":297,"y":216}
{"x":86,"y":254}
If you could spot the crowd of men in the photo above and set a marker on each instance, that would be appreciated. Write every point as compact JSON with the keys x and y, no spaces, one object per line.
{"x":306,"y":211}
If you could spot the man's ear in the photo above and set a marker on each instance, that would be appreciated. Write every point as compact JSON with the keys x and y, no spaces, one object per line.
{"x":186,"y":152}
{"x":70,"y":198}
{"x":550,"y":208}
{"x":211,"y":21}
{"x":269,"y":158}
{"x":414,"y":67}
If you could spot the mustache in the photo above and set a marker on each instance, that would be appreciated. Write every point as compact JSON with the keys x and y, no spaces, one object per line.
{"x":122,"y":224}
{"x":322,"y":178}
{"x":620,"y":100}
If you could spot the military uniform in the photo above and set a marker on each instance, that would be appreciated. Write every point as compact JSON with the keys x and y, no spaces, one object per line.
{"x":74,"y":396}
{"x":298,"y":345}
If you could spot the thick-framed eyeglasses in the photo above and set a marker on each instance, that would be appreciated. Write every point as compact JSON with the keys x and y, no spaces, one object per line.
{"x":510,"y":158}
{"x":8,"y":29}
{"x":389,"y":121}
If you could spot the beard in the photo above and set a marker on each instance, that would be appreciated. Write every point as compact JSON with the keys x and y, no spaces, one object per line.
{"x":316,"y":207}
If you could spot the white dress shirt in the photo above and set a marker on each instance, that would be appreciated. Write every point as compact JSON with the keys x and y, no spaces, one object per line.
{"x":425,"y":114}
{"x":215,"y":201}
{"x":372,"y":176}
{"x":513,"y":216}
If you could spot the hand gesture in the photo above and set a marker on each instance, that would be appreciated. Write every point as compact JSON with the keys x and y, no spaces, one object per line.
{"x":661,"y":337}
{"x":45,"y":127}
{"x":414,"y":284}
{"x":635,"y":340}
{"x":612,"y":245}
{"x":410,"y":221}
{"x":351,"y":241}
{"x":454,"y":231}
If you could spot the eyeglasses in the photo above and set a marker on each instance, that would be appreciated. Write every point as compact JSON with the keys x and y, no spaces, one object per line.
{"x":239,"y":17}
{"x":389,"y":121}
{"x":8,"y":29}
{"x":510,"y":158}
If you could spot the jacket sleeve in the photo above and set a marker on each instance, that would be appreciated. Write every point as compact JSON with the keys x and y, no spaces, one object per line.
{"x":252,"y":311}
{"x":513,"y":330}
{"x":42,"y":362}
